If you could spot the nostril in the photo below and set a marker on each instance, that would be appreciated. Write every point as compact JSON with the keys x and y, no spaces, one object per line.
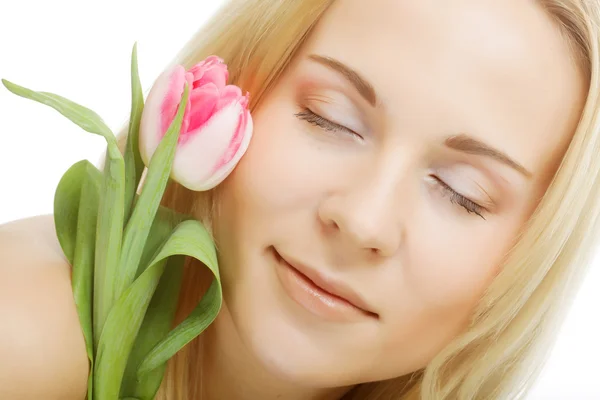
{"x":330,"y":224}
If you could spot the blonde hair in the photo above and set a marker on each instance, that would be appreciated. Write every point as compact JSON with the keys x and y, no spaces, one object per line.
{"x":515,"y":323}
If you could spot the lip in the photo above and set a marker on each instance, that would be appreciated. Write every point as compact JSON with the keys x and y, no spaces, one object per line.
{"x":318,"y":294}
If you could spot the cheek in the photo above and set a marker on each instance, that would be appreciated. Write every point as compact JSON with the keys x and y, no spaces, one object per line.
{"x":444,"y":274}
{"x":446,"y":268}
{"x":281,"y":168}
{"x":453,"y":264}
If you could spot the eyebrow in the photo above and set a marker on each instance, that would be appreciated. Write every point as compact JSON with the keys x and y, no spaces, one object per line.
{"x":462,"y":142}
{"x":470,"y":145}
{"x":364,"y":88}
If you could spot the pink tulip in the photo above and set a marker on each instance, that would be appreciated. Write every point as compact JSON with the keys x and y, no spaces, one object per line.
{"x":216,"y":128}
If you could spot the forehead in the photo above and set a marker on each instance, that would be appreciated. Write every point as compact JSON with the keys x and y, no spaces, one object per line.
{"x":498,"y":69}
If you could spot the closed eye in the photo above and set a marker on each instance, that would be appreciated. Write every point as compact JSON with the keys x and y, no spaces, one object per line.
{"x":456,"y":198}
{"x":315,"y":119}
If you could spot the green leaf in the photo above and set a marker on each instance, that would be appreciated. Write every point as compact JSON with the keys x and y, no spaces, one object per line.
{"x":203,"y":315}
{"x":157,"y":177}
{"x":109,"y":234}
{"x":190,"y":238}
{"x":161,"y":310}
{"x":165,"y":221}
{"x":82,"y":116}
{"x":83,"y":269}
{"x":157,"y":323}
{"x":201,"y":247}
{"x":134,"y":166}
{"x":67,"y":201}
{"x":75,"y":212}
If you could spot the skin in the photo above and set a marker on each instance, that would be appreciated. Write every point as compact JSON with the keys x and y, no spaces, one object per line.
{"x":367,"y":210}
{"x":40,"y":335}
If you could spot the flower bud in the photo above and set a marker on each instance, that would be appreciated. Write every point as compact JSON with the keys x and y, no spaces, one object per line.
{"x":216,"y":129}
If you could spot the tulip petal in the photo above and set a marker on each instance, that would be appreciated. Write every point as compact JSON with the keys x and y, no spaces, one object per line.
{"x":224,"y":170}
{"x":196,"y":159}
{"x":229,"y":94}
{"x":209,"y":62}
{"x":151,"y":122}
{"x":203,"y":101}
{"x":211,"y":70}
{"x":172,"y":97}
{"x":236,"y":140}
{"x":213,"y":75}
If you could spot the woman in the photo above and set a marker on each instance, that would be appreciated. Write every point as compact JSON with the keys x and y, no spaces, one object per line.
{"x":417,"y":206}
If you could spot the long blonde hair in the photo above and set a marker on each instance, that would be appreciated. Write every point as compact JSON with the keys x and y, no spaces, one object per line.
{"x":515,"y":323}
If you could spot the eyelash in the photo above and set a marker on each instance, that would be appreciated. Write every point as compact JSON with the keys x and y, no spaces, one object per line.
{"x":456,"y":198}
{"x":311,"y":117}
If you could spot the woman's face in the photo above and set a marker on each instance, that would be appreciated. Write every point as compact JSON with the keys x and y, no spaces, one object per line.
{"x":391,"y":169}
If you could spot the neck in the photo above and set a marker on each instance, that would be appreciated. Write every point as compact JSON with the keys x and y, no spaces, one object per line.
{"x":230,"y":371}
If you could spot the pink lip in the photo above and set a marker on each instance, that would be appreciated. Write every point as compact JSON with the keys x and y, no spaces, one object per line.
{"x":320,"y":295}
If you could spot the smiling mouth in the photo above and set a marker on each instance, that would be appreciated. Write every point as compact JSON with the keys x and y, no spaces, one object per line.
{"x":317,"y":297}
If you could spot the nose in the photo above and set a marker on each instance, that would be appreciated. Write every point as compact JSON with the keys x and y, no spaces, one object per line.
{"x":365,"y":217}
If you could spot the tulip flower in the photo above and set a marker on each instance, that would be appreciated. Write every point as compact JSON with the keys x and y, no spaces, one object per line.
{"x":216,"y":128}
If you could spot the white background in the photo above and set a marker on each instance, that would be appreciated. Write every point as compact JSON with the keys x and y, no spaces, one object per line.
{"x":81,"y":50}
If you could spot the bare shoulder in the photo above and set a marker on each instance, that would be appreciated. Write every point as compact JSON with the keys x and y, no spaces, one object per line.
{"x":42,"y":350}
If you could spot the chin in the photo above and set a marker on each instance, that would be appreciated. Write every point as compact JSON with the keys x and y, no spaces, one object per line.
{"x":287,"y":352}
